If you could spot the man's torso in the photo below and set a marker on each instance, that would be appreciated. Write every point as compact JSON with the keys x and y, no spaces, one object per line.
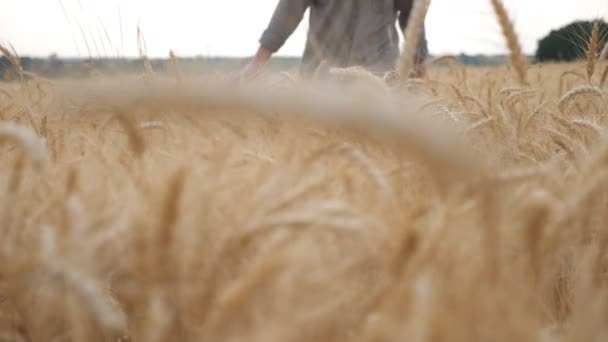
{"x":352,"y":32}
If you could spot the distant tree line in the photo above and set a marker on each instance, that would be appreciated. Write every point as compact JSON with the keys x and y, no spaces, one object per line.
{"x":7,"y":70}
{"x":569,"y":42}
{"x":50,"y":66}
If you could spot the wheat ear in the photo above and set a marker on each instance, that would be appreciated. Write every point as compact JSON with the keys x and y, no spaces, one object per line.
{"x":574,"y":93}
{"x":517,"y":57}
{"x":592,"y":50}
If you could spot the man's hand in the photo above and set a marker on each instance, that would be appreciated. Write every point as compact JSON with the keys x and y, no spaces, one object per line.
{"x":250,"y":71}
{"x":257,"y":63}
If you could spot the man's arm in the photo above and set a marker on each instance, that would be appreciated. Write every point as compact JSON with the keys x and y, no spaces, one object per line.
{"x":405,"y":7}
{"x":286,"y":18}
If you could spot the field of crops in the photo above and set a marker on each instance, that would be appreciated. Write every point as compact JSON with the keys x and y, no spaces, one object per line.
{"x":471,"y":205}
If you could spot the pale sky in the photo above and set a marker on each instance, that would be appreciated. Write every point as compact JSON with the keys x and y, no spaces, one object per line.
{"x":232,"y":27}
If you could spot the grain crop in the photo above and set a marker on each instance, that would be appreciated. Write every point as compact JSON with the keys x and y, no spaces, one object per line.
{"x":466,"y":206}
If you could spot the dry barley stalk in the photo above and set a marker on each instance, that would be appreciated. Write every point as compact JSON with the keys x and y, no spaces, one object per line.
{"x":518,"y":60}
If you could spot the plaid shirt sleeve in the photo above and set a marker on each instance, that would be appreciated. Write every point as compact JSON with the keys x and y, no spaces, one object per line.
{"x":286,"y":18}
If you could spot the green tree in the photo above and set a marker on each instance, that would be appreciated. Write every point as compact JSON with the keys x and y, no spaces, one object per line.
{"x":569,"y":42}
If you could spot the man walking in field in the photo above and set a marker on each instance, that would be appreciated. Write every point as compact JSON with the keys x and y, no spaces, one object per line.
{"x":342,"y":33}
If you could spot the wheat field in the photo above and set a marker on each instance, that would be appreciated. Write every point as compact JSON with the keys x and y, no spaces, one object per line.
{"x":467,"y":206}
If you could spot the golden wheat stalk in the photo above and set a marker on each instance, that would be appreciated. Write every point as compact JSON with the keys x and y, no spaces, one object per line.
{"x":31,"y":144}
{"x":322,"y":70}
{"x":137,"y":142}
{"x":597,"y":129}
{"x":151,"y":125}
{"x":9,"y":104}
{"x":445,"y":58}
{"x":518,"y":60}
{"x":370,"y":168}
{"x":573,"y":73}
{"x":89,"y":291}
{"x":412,"y":35}
{"x":592,"y":50}
{"x":142,"y":49}
{"x":604,"y":77}
{"x":261,"y":270}
{"x":175,"y":64}
{"x":379,"y":116}
{"x":170,"y":212}
{"x":13,"y":60}
{"x":7,"y":214}
{"x":479,"y":124}
{"x":356,"y":74}
{"x":604,"y":54}
{"x":576,"y":92}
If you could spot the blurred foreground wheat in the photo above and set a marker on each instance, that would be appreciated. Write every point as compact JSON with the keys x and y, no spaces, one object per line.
{"x":469,"y":206}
